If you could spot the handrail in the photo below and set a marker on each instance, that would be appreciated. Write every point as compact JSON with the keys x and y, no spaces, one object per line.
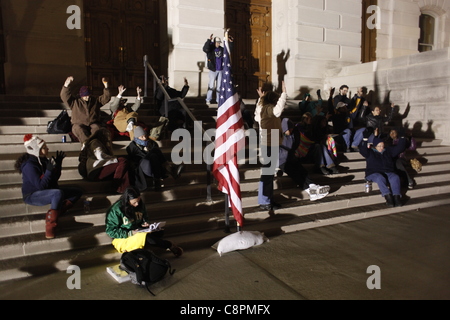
{"x":157,"y":81}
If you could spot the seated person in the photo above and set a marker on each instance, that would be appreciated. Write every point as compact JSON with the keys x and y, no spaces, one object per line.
{"x":147,"y":160}
{"x":102,"y":164}
{"x":40,"y":176}
{"x":123,"y":220}
{"x":374,"y":121}
{"x":125,"y":116}
{"x":291,"y":164}
{"x":380,"y":167}
{"x":322,"y":151}
{"x":176,"y":114}
{"x":85,"y":116}
{"x":401,"y":163}
{"x":307,"y":105}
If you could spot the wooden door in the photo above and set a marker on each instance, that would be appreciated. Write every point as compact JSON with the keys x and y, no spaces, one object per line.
{"x":118,"y":35}
{"x":250,"y":23}
{"x":369,"y":35}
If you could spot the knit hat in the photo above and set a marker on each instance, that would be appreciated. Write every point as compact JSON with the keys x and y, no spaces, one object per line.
{"x":84,"y":92}
{"x":138,"y":132}
{"x":377,"y":141}
{"x":33,"y":144}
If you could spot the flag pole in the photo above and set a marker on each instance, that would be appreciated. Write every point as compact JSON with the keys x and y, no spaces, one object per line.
{"x":227,"y":215}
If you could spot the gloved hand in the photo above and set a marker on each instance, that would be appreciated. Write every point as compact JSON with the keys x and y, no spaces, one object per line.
{"x":50,"y":165}
{"x":60,"y":155}
{"x":367,"y":133}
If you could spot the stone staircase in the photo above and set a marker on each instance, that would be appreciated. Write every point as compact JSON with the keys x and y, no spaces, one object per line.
{"x":192,"y":221}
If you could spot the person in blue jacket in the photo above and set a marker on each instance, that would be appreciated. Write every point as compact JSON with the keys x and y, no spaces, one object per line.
{"x":40,"y":177}
{"x":380,"y":167}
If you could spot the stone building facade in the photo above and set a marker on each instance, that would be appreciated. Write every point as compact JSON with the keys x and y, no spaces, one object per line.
{"x":376,"y":44}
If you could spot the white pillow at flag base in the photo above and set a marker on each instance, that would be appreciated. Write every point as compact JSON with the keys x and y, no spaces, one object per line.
{"x":241,"y":240}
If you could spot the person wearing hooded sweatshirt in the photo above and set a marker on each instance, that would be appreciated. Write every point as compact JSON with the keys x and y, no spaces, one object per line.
{"x":85,"y":109}
{"x":291,"y":164}
{"x":380,"y":167}
{"x":40,"y":177}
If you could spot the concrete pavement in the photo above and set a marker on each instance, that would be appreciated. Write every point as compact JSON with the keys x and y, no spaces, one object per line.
{"x":411,"y":250}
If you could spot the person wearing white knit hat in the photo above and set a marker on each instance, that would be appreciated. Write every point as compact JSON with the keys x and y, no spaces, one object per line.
{"x":40,"y":177}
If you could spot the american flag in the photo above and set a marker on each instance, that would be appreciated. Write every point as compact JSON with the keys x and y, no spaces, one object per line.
{"x":230,"y":139}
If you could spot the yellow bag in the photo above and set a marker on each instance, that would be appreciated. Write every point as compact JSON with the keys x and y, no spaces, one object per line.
{"x":416,"y":165}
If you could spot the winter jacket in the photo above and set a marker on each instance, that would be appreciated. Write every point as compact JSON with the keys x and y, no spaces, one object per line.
{"x":378,"y":121}
{"x":384,"y":162}
{"x":268,"y":117}
{"x":118,"y":226}
{"x":210,"y":49}
{"x":85,"y":112}
{"x":115,"y":106}
{"x":35,"y":177}
{"x":173,"y":103}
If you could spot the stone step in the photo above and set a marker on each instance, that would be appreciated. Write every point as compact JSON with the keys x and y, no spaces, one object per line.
{"x":193,"y":182}
{"x":321,"y":213}
{"x":16,"y":224}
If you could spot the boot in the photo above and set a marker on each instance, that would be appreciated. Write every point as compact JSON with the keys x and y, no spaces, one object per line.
{"x":389,"y":200}
{"x":67,"y":204}
{"x":173,"y":169}
{"x":398,"y":201}
{"x":51,"y":219}
{"x":177,"y":251}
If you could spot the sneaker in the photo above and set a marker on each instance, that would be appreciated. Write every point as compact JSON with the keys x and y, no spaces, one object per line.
{"x":324,"y":171}
{"x":317,"y":192}
{"x":130,"y":126}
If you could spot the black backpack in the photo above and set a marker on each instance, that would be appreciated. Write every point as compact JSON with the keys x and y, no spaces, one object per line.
{"x":61,"y":124}
{"x":144,"y":267}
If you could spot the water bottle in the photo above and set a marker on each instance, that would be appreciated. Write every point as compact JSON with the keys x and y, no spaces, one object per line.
{"x":368,"y":186}
{"x":64,"y":140}
{"x":87,"y":206}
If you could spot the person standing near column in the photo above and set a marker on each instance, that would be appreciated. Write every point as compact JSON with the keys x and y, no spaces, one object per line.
{"x":214,"y":54}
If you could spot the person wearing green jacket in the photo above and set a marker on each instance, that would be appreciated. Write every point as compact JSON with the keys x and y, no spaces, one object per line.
{"x":123,"y":221}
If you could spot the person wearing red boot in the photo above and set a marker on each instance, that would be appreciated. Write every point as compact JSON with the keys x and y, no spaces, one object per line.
{"x":40,"y":176}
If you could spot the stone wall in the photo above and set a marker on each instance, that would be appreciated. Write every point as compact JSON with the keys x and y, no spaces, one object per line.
{"x":320,"y":35}
{"x":418,"y":84}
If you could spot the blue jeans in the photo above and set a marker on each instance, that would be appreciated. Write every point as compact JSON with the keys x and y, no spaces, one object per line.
{"x":347,"y":136}
{"x":215,"y":80}
{"x":359,"y":137}
{"x":383,"y":180}
{"x":54,"y":197}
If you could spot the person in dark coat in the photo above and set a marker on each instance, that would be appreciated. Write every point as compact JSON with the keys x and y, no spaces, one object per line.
{"x":147,"y":160}
{"x":374,"y":122}
{"x":214,"y":55}
{"x":380,"y":167}
{"x":291,"y":164}
{"x":176,"y":114}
